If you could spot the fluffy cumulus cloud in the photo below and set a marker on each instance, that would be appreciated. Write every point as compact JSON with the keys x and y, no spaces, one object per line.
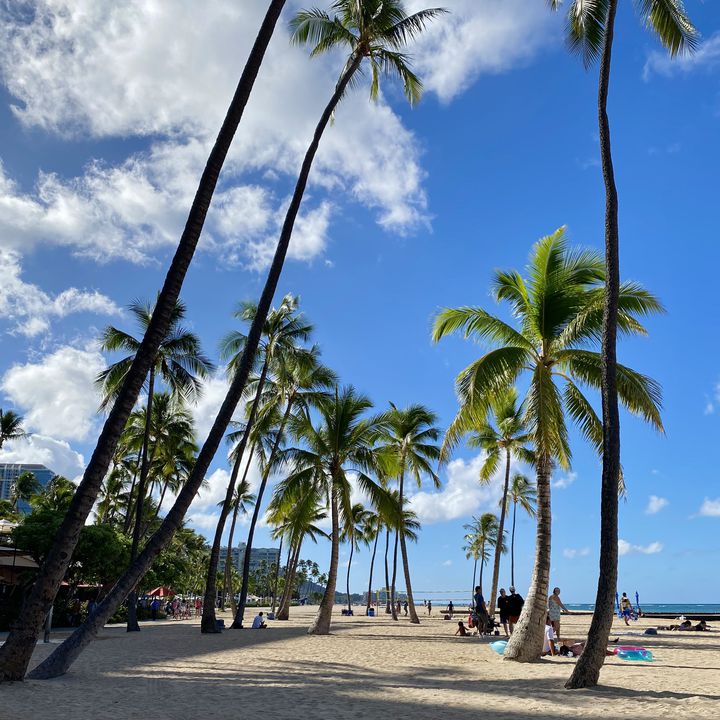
{"x":572,"y":553}
{"x":214,"y":390}
{"x":710,"y":508}
{"x":626,"y":548}
{"x":656,"y":504}
{"x":57,"y":394}
{"x":707,"y":58}
{"x":461,"y":496}
{"x":167,"y":71}
{"x":564,"y":481}
{"x":57,"y":455}
{"x":30,"y":310}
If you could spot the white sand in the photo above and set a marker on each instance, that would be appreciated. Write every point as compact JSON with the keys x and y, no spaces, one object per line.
{"x":368,"y":668}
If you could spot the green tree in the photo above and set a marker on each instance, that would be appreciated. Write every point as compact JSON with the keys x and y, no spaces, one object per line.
{"x":409,"y":446}
{"x":15,"y":654}
{"x":590,"y":32}
{"x":26,"y":486}
{"x":371,"y":534}
{"x":353,"y":532}
{"x":502,"y":434}
{"x":558,"y":310}
{"x":180,"y":363}
{"x":522,"y":493}
{"x":483,"y":535}
{"x":10,"y":426}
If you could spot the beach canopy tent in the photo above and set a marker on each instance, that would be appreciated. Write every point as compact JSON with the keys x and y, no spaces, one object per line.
{"x":161,"y":592}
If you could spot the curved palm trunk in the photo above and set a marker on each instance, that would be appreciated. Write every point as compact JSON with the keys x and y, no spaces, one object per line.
{"x":472,"y":591}
{"x":512,"y":548}
{"x":526,"y":642}
{"x":132,"y":623}
{"x":208,"y":624}
{"x":18,"y":648}
{"x":408,"y":587}
{"x":393,"y":601}
{"x":321,"y":624}
{"x":587,"y":670}
{"x":372,"y":566}
{"x":387,"y":575}
{"x":284,"y":611}
{"x":352,"y":549}
{"x":237,"y":622}
{"x":499,"y":544}
{"x":128,"y":510}
{"x":277,"y":576}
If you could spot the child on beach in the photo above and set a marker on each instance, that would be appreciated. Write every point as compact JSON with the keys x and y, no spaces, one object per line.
{"x":462,"y":630}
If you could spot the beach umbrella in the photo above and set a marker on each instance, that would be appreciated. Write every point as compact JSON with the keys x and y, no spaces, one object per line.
{"x":161,"y":592}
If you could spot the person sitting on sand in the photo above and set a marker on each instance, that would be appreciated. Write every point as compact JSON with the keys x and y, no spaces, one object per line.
{"x":702,"y":626}
{"x":259,"y":622}
{"x":549,"y":644}
{"x":462,"y":630}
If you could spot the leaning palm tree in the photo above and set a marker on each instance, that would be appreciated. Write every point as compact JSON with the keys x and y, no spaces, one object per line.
{"x":353,"y":533}
{"x":558,"y":309}
{"x":591,"y":30}
{"x":409,"y":446}
{"x":503,"y":436}
{"x":342,"y":441}
{"x":180,"y":363}
{"x":15,"y":654}
{"x":522,"y":493}
{"x":11,"y":426}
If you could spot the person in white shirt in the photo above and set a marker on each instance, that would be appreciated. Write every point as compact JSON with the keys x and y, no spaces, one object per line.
{"x":549,"y":644}
{"x":258,"y":622}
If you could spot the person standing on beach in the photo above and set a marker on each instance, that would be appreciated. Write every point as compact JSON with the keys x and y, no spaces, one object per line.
{"x":502,"y":603}
{"x":513,"y":607}
{"x":451,"y":608}
{"x":626,"y":608}
{"x":480,"y":610}
{"x":405,"y":608}
{"x":555,"y":608}
{"x":429,"y":607}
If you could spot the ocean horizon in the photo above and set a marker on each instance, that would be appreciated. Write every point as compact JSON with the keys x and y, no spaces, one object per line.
{"x":665,"y":608}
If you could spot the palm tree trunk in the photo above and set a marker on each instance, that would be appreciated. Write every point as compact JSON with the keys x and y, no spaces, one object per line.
{"x":393,"y":605}
{"x":132,"y":623}
{"x":128,"y":510}
{"x":472,"y":591}
{"x":372,"y":565}
{"x":284,"y":611}
{"x":162,"y":495}
{"x":408,"y":587}
{"x":587,"y":670}
{"x":512,"y":548}
{"x":352,"y":549}
{"x":321,"y":624}
{"x":237,"y":622}
{"x":18,"y":648}
{"x":526,"y":642}
{"x":499,"y":544}
{"x":277,"y":576}
{"x":388,"y":602}
{"x":208,"y":623}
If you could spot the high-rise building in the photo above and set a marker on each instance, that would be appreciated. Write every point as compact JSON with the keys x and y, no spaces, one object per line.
{"x":9,"y":473}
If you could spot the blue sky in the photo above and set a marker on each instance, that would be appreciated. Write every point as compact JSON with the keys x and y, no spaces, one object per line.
{"x":107,"y":112}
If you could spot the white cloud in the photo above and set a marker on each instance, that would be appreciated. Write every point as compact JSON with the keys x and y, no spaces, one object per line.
{"x":710,"y":508}
{"x":564,"y":481}
{"x":706,"y":57}
{"x":204,"y":412}
{"x":57,"y":395}
{"x":447,"y":563}
{"x":626,"y":548}
{"x":32,"y":309}
{"x":57,"y":455}
{"x":461,"y":496}
{"x":655,"y":504}
{"x":572,"y":553}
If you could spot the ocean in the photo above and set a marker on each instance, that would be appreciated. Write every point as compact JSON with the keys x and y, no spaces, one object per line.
{"x":663,"y":608}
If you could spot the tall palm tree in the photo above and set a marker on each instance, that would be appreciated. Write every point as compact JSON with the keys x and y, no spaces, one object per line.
{"x":371,"y":534}
{"x":282,"y":330}
{"x":558,"y":309}
{"x":410,"y":446}
{"x":522,"y":493}
{"x":503,"y":441}
{"x":10,"y":426}
{"x":353,"y":532}
{"x":483,"y":535}
{"x":15,"y":654}
{"x":590,"y":32}
{"x":180,"y":363}
{"x":25,"y":487}
{"x":342,"y":441}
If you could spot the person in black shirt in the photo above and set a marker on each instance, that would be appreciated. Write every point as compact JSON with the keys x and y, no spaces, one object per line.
{"x":513,"y":607}
{"x":502,"y":609}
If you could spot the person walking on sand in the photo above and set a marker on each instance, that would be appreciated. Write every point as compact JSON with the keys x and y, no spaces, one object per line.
{"x":514,"y":607}
{"x":626,"y":608}
{"x":405,"y":608}
{"x":555,"y":608}
{"x":429,"y":607}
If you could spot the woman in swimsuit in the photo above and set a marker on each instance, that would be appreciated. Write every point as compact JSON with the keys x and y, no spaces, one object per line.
{"x":555,"y":607}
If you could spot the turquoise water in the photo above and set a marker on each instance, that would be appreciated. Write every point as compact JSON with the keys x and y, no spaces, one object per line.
{"x":670,"y":608}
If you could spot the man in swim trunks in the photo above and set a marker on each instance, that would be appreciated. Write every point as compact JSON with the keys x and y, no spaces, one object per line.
{"x":626,"y":608}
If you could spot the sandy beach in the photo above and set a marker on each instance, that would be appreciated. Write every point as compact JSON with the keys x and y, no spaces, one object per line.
{"x":368,"y":668}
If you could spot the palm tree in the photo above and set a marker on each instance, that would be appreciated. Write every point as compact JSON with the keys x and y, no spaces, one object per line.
{"x":353,"y":532}
{"x":15,"y":654}
{"x":558,"y":309}
{"x":26,"y":486}
{"x":343,"y":441}
{"x":504,"y":441}
{"x":591,"y":30}
{"x":409,"y":445}
{"x":10,"y":426}
{"x":282,"y":330}
{"x":371,"y":534}
{"x":179,"y":362}
{"x":522,"y":493}
{"x":484,"y":534}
